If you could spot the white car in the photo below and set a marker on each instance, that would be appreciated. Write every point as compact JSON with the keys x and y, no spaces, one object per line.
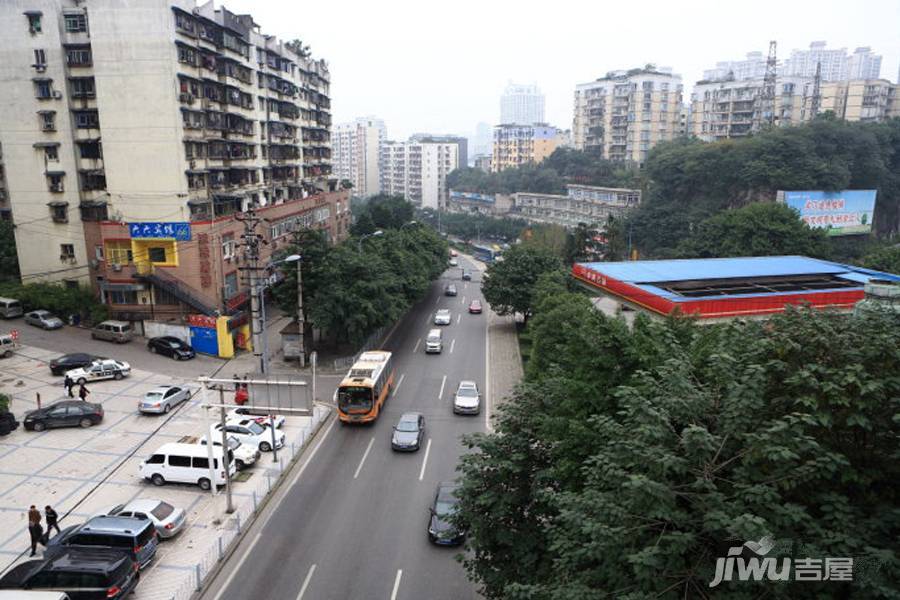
{"x":163,"y":399}
{"x":244,"y":455}
{"x":442,"y":316}
{"x":260,"y":416}
{"x":167,"y":519}
{"x":100,"y":369}
{"x":467,"y":400}
{"x":454,"y":262}
{"x":251,"y":433}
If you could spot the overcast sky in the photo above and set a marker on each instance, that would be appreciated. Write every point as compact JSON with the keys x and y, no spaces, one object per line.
{"x":439,"y":67}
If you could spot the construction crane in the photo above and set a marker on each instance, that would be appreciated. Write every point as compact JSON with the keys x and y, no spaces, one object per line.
{"x":765,"y":116}
{"x":817,"y":84}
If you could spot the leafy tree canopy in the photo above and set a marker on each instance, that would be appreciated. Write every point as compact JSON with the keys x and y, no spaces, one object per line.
{"x":507,"y":284}
{"x":9,"y":259}
{"x":382,"y":211}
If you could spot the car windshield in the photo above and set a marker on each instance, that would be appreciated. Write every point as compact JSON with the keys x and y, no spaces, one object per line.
{"x":354,"y":397}
{"x":254,"y":427}
{"x":445,"y":508}
{"x":407,"y":426}
{"x":467,"y":392}
{"x":162,"y":510}
{"x":233,"y":442}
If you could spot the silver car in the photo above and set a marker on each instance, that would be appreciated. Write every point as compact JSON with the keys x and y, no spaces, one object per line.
{"x":43,"y":319}
{"x":162,"y":399}
{"x":167,"y":519}
{"x":467,"y":400}
{"x":442,"y":316}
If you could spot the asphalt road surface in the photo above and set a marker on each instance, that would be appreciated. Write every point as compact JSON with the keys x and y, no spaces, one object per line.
{"x":353,"y":524}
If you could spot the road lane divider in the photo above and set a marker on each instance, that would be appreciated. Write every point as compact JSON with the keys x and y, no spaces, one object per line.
{"x":396,"y":584}
{"x":458,"y":317}
{"x":452,"y":344}
{"x":443,"y":382}
{"x":416,"y":349}
{"x":425,"y":460}
{"x":309,"y":575}
{"x":487,"y":375}
{"x":399,"y":381}
{"x":363,"y":461}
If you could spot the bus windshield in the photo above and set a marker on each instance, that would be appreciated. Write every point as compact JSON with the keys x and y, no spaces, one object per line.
{"x":355,"y":398}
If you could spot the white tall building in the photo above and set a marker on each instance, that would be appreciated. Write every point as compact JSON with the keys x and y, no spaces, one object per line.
{"x":753,"y":67}
{"x":522,"y":104}
{"x":836,"y":64}
{"x":417,"y":170}
{"x":356,"y":153}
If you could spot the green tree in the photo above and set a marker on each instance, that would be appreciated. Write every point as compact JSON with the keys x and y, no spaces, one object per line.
{"x":508,"y":284}
{"x":884,"y":259}
{"x":313,"y":247}
{"x":552,"y":238}
{"x":761,"y":229}
{"x":9,"y":259}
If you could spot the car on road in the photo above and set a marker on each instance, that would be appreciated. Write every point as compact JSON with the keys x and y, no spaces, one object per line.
{"x":260,"y":415}
{"x":467,"y":275}
{"x":467,"y":400}
{"x":132,"y":535}
{"x":100,"y":369}
{"x":244,"y":455}
{"x":454,"y":262}
{"x":83,"y":573}
{"x":171,"y":346}
{"x":186,"y":463}
{"x":450,"y":290}
{"x":65,"y":413}
{"x":8,"y":345}
{"x":43,"y":319}
{"x":434,"y":341}
{"x":453,"y":253}
{"x":441,"y":530}
{"x":167,"y":519}
{"x":249,"y":432}
{"x":475,"y":307}
{"x":67,"y":362}
{"x":442,"y":316}
{"x":164,"y":398}
{"x":408,"y":432}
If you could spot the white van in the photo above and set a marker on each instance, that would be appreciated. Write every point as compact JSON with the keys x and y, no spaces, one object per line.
{"x":32,"y":595}
{"x":186,"y":463}
{"x":434,"y":342}
{"x":10,"y":308}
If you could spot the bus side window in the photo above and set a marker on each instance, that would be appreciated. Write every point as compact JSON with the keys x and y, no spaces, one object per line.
{"x":377,"y":388}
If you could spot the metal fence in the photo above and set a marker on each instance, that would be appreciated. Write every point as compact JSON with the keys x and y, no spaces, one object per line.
{"x":371,"y":343}
{"x":245,"y":511}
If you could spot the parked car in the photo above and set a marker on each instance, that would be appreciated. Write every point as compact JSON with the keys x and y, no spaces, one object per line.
{"x":475,"y":307}
{"x":10,"y":308}
{"x":8,"y":345}
{"x":244,"y":455}
{"x":113,"y":331}
{"x":454,"y":262}
{"x":8,"y":423}
{"x":67,"y":362}
{"x":43,"y":319}
{"x":408,"y":432}
{"x":167,"y":519}
{"x":440,"y":530}
{"x":249,"y":432}
{"x":163,"y":399}
{"x":65,"y":413}
{"x":186,"y":463}
{"x":442,"y":316}
{"x":467,"y":275}
{"x":467,"y":400}
{"x":171,"y":346}
{"x":261,"y":416}
{"x":132,"y":535}
{"x":450,"y":290}
{"x":100,"y":369}
{"x":82,"y":573}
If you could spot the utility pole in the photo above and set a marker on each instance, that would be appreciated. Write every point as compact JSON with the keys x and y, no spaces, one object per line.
{"x":301,"y":321}
{"x":817,"y":85}
{"x":251,"y":241}
{"x":766,"y":109}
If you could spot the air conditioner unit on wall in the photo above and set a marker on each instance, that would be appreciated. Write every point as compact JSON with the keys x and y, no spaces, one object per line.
{"x":57,"y":95}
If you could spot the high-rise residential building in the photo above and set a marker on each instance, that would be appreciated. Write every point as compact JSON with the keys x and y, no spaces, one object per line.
{"x":868,"y":100}
{"x":835,"y":63}
{"x":522,"y":104}
{"x":462,"y":144}
{"x":356,"y":153}
{"x":134,"y":132}
{"x":753,"y":67}
{"x":516,"y":145}
{"x":417,"y":169}
{"x":624,"y":114}
{"x":483,"y":140}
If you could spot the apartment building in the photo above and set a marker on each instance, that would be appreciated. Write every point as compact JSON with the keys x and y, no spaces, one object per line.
{"x":5,"y":211}
{"x":835,"y":63}
{"x":870,"y":100}
{"x":483,"y":162}
{"x":522,"y":104}
{"x":516,"y":145}
{"x":356,"y":154}
{"x":591,"y":205}
{"x":134,"y":134}
{"x":417,"y":169}
{"x":624,"y":114}
{"x":752,"y":67}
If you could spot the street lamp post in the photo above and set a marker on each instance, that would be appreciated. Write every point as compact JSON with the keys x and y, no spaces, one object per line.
{"x":375,"y":233}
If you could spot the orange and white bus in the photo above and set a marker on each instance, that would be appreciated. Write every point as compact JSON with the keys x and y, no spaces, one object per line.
{"x":363,"y":391}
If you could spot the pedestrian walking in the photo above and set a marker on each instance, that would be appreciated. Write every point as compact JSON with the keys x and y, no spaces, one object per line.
{"x":69,"y":384}
{"x":34,"y":528}
{"x":52,"y":520}
{"x":38,"y":398}
{"x":83,"y":392}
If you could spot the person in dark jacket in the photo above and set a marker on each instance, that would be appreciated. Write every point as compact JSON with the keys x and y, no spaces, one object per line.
{"x":34,"y":528}
{"x":68,"y":383}
{"x":52,"y":520}
{"x":83,"y":392}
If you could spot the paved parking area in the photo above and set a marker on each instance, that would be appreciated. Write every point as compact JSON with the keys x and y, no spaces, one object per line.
{"x":82,"y":471}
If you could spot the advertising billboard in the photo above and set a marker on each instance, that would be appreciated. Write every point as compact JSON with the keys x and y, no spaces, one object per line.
{"x":846,"y":212}
{"x":470,"y":197}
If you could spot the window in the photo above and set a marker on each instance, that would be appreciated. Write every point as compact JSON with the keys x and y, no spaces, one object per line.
{"x":157,"y":254}
{"x":40,"y":58}
{"x":59,"y":212}
{"x":55,"y":182}
{"x":76,"y":23}
{"x":163,"y":297}
{"x":156,"y":459}
{"x":82,"y":87}
{"x":67,"y":252}
{"x":184,"y":22}
{"x":196,"y":181}
{"x":98,"y":252}
{"x":86,"y":119}
{"x":179,"y":461}
{"x":231,"y":285}
{"x":200,"y":462}
{"x":93,"y":180}
{"x":90,"y":149}
{"x":34,"y":22}
{"x":119,"y":252}
{"x":48,"y":120}
{"x":51,"y":153}
{"x":43,"y":89}
{"x":119,"y":297}
{"x":187,"y":55}
{"x":228,"y":245}
{"x":78,"y":56}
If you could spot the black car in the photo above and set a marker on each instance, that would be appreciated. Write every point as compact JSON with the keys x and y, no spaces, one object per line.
{"x":65,"y":413}
{"x":408,"y":432}
{"x":170,"y":346}
{"x":8,"y":423}
{"x":66,"y":362}
{"x":440,"y":530}
{"x":134,"y":536}
{"x":82,"y":573}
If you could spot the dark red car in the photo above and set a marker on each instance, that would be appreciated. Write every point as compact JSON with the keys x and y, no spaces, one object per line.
{"x":475,"y":307}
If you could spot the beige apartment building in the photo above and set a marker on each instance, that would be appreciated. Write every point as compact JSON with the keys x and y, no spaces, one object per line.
{"x":516,"y":145}
{"x":132,"y":128}
{"x":591,"y":205}
{"x":861,"y":99}
{"x":356,"y":154}
{"x":417,"y":169}
{"x":624,"y":114}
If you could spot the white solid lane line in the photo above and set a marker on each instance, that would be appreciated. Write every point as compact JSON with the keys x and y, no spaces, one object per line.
{"x":416,"y":349}
{"x":443,"y":381}
{"x":487,"y":375}
{"x":463,"y":300}
{"x":309,"y":575}
{"x":363,"y":461}
{"x":237,"y":567}
{"x":396,"y":584}
{"x":458,"y":317}
{"x":399,"y":381}
{"x":425,"y":460}
{"x":438,"y":301}
{"x":452,"y":343}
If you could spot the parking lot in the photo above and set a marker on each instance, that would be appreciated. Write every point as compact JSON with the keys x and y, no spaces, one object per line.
{"x":80,"y":472}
